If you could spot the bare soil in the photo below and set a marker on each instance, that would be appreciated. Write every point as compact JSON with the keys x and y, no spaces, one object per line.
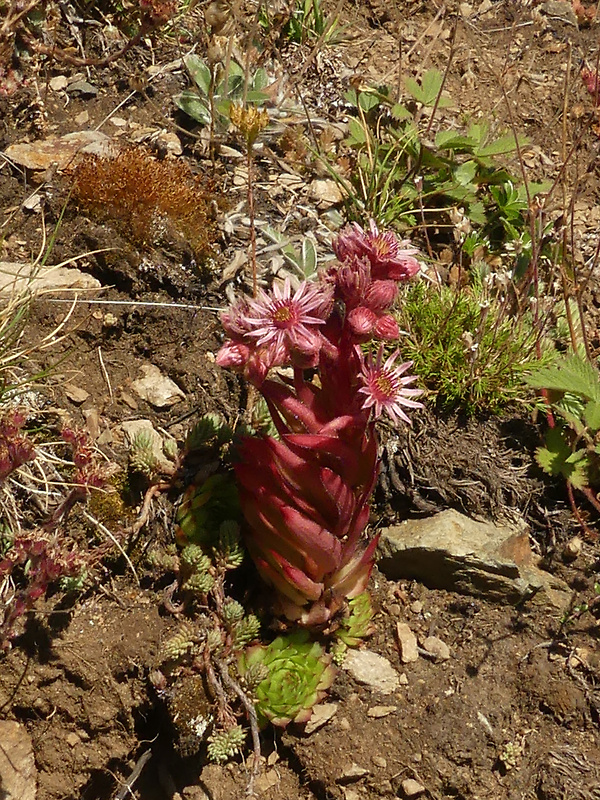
{"x":514,"y":713}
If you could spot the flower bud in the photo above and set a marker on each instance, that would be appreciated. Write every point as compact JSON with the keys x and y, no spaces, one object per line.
{"x":233,"y":355}
{"x":353,"y":279}
{"x":386,"y":327}
{"x":361,"y":322}
{"x":380,"y":295}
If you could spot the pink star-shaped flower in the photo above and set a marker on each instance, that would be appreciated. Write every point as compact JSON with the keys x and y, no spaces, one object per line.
{"x":385,"y":386}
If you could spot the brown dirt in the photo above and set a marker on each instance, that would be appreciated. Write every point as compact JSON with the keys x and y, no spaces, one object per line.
{"x":514,"y":712}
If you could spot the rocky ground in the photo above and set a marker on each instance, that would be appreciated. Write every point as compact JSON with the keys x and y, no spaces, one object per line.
{"x":482,"y":678}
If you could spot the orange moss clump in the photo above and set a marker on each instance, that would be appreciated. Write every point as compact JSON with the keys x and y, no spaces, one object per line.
{"x":150,"y":201}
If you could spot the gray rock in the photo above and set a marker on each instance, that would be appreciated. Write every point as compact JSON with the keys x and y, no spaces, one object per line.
{"x":372,"y":670}
{"x":60,"y":150}
{"x":17,"y":764}
{"x":325,"y":193}
{"x":561,"y":9}
{"x":321,"y":714}
{"x":436,"y":648}
{"x":82,"y":88}
{"x":412,"y":788}
{"x":156,"y":388}
{"x":452,"y":551}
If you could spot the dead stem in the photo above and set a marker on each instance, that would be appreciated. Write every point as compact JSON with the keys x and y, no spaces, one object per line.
{"x":144,"y":514}
{"x":575,"y":509}
{"x":252,"y":718}
{"x":251,"y":214}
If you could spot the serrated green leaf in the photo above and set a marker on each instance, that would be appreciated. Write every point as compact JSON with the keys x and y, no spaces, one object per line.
{"x":570,"y":409}
{"x":478,"y":133}
{"x":428,"y":90}
{"x":356,"y":132}
{"x":432,"y":83}
{"x":414,"y":88}
{"x":577,"y":469}
{"x":400,"y":113}
{"x":558,"y":459}
{"x":504,"y":144}
{"x":477,"y":213}
{"x":573,"y":374}
{"x":591,"y":414}
{"x":465,"y":173}
{"x":192,"y":105}
{"x":367,"y":101}
{"x":553,"y":456}
{"x":451,"y":140}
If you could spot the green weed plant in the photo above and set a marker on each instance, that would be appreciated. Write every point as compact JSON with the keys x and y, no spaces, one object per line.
{"x":403,"y":174}
{"x":214,"y":91}
{"x":305,"y":23}
{"x":572,"y":446}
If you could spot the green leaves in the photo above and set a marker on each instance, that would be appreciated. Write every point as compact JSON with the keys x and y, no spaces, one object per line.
{"x":217,"y":91}
{"x":475,"y":142}
{"x":573,"y":374}
{"x":199,"y":72}
{"x":440,"y":323}
{"x":429,"y":89}
{"x":557,"y":458}
{"x":304,"y":262}
{"x":571,"y":448}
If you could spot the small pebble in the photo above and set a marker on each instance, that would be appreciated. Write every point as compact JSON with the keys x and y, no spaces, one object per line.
{"x":416,"y":607}
{"x":436,"y":648}
{"x":407,"y":643}
{"x":379,"y":761}
{"x":572,"y":549}
{"x":352,"y":773}
{"x":381,"y":711}
{"x":412,"y":788}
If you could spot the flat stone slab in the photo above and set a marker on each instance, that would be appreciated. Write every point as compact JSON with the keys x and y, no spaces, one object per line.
{"x":17,"y":277}
{"x":18,"y":775}
{"x":59,"y":150}
{"x":452,"y":551}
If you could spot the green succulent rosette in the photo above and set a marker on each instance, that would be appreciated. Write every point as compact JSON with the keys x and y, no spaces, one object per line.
{"x":300,"y":674}
{"x":204,"y":508}
{"x":359,"y":622}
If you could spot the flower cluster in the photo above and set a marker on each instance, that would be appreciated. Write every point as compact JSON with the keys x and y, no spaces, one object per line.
{"x":34,"y":561}
{"x":15,"y":449}
{"x":305,"y":494}
{"x":276,"y":330}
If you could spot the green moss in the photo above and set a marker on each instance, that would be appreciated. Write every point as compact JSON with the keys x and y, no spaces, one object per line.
{"x":110,"y":505}
{"x":468,"y":352}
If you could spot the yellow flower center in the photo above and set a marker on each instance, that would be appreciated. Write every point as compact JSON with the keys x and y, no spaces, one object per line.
{"x":384,"y":384}
{"x":283,"y":314}
{"x":382,"y":247}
